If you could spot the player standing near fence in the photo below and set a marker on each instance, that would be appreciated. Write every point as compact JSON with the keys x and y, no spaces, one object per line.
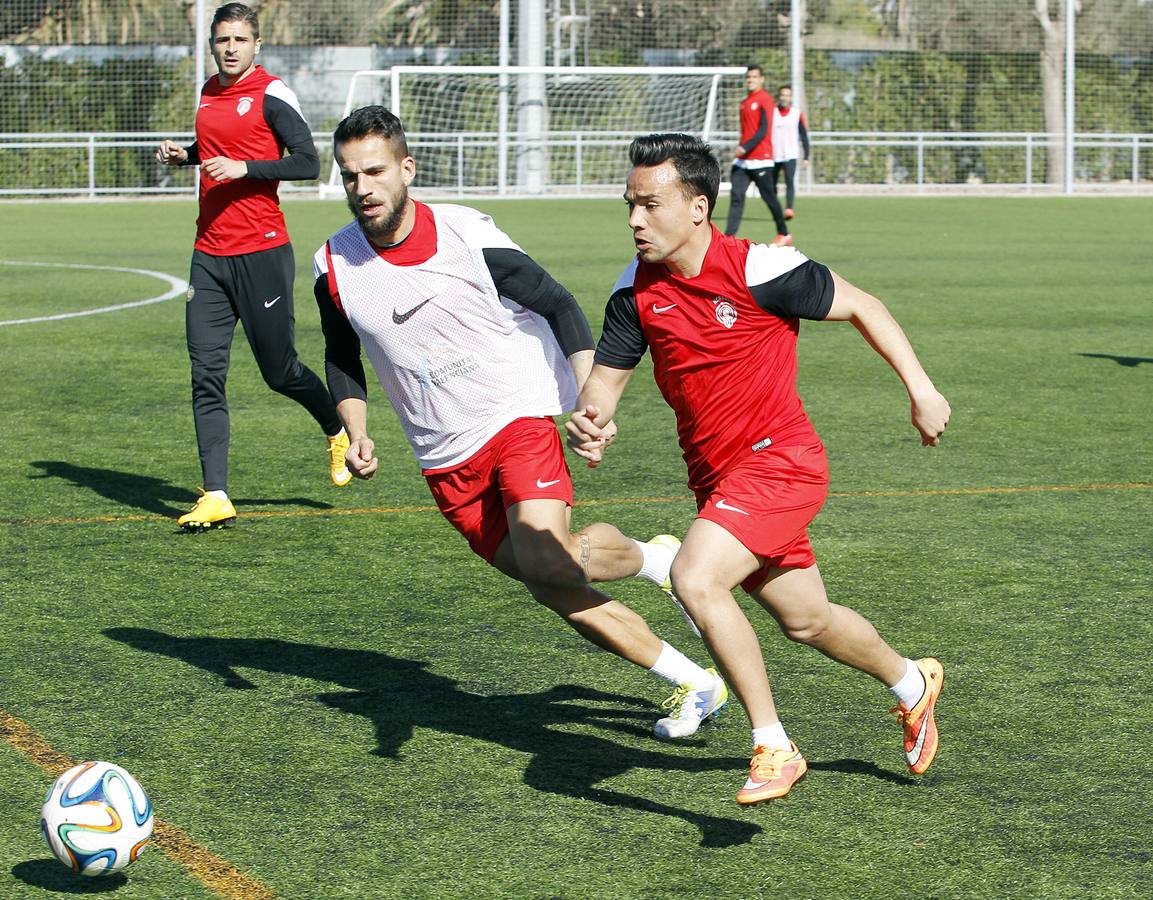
{"x":790,"y":139}
{"x":720,"y":317}
{"x":250,"y":136}
{"x":753,"y":158}
{"x":478,"y":347}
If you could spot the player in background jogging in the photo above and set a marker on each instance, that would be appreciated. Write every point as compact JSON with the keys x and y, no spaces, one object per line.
{"x":790,"y":143}
{"x":720,"y":317}
{"x":753,"y":158}
{"x":250,"y":136}
{"x":477,"y":348}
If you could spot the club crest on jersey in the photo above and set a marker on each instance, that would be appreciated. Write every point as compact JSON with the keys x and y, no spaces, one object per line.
{"x":726,"y":312}
{"x":244,"y":105}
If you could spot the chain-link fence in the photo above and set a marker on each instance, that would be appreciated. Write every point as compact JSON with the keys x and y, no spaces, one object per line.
{"x":913,"y":94}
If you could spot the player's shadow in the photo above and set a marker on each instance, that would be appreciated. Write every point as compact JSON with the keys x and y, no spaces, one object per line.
{"x":145,"y":492}
{"x":399,"y":695}
{"x":1130,"y":362}
{"x":50,"y":875}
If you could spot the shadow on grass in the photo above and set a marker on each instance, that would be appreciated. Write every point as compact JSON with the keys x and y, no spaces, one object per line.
{"x":398,"y":695}
{"x":1130,"y":362}
{"x":50,"y":875}
{"x":144,"y":492}
{"x":861,"y":767}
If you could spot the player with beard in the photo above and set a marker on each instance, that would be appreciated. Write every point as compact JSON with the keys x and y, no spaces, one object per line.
{"x":720,"y":317}
{"x":243,"y":266}
{"x":477,"y":348}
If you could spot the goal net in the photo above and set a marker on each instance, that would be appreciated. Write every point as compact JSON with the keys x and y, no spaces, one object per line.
{"x":531,"y":130}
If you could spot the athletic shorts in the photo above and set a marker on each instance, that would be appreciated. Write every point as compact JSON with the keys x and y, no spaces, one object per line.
{"x":767,"y":502}
{"x":522,"y":461}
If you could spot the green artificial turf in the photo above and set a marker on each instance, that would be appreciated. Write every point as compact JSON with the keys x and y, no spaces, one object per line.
{"x":338,"y":699}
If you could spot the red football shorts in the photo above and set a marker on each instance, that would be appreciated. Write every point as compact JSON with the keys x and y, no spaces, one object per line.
{"x":767,"y":502}
{"x":522,"y":461}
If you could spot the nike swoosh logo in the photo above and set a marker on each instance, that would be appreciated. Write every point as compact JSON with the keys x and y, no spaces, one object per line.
{"x":401,"y":318}
{"x":915,"y":753}
{"x":272,"y":302}
{"x":544,"y":484}
{"x":663,"y":309}
{"x":722,"y":505}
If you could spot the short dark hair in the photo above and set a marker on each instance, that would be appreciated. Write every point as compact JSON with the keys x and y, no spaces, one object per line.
{"x":696,"y":166}
{"x":368,"y":121}
{"x":754,"y":68}
{"x":784,"y":87}
{"x":236,"y":12}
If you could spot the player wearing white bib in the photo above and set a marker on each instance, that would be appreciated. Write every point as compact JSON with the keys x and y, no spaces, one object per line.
{"x":477,"y":348}
{"x":790,"y":143}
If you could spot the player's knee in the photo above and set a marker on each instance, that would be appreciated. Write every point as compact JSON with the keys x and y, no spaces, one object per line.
{"x":552,"y":567}
{"x":809,"y":630}
{"x":283,"y":378}
{"x":693,"y":585}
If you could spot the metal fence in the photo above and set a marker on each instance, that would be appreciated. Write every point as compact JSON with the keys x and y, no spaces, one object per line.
{"x":907,"y":95}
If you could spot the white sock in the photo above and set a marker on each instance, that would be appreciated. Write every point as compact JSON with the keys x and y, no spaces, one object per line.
{"x":656,"y":563}
{"x":676,"y":668}
{"x":772,"y":736}
{"x":911,"y":687}
{"x":219,"y":495}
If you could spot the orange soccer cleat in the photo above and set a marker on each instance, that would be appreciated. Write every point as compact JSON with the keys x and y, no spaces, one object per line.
{"x":918,"y":722}
{"x":771,"y":774}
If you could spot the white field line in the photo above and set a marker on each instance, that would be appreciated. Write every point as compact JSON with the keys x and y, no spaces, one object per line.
{"x":177,"y":286}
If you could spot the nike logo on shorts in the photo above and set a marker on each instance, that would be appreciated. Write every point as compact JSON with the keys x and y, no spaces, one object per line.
{"x":544,"y":484}
{"x":722,"y":505}
{"x":663,"y":309}
{"x":272,"y":302}
{"x":401,"y":318}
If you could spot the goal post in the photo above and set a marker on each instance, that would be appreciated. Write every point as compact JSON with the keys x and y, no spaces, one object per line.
{"x":531,"y":130}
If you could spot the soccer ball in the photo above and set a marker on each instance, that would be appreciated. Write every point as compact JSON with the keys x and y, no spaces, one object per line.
{"x":96,"y":818}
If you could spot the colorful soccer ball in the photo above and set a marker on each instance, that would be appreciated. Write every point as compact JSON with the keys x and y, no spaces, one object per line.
{"x":96,"y":818}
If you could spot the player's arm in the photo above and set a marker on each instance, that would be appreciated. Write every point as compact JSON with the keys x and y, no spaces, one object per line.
{"x":622,"y":345}
{"x":930,"y":410}
{"x":803,"y":132}
{"x":520,"y":278}
{"x":759,"y":135}
{"x":347,"y":384}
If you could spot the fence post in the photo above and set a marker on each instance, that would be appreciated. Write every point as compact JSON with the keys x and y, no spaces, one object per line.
{"x":1029,"y":163}
{"x":920,"y":162}
{"x":91,"y":166}
{"x":460,"y":165}
{"x":580,"y":179}
{"x":1136,"y":160}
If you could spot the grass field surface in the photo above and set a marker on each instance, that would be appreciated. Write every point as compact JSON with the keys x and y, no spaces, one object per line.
{"x":335,"y":699}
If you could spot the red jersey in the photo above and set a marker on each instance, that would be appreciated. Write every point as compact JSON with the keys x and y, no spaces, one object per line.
{"x":254,"y":120}
{"x":757,"y":119}
{"x":724,"y":347}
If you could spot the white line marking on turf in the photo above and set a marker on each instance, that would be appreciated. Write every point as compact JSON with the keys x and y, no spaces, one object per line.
{"x":177,"y":287}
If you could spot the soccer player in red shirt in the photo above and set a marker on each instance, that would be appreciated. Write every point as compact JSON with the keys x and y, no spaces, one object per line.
{"x":720,"y":317}
{"x":242,"y":262}
{"x":753,"y":158}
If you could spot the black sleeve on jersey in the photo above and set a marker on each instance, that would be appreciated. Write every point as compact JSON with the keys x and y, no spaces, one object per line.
{"x":804,"y":133}
{"x":806,"y":292}
{"x":343,"y":368}
{"x":193,"y":151}
{"x":302,"y":162}
{"x":762,"y":130}
{"x":519,"y":277}
{"x":622,"y":344}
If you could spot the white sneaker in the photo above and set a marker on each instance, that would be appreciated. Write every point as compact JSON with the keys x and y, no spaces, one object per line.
{"x":689,"y":706}
{"x":671,"y":543}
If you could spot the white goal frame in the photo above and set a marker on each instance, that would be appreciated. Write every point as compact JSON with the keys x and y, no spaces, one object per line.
{"x":535,"y":137}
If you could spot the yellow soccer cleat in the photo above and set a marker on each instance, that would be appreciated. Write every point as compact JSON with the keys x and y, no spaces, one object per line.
{"x":337,"y":464}
{"x":919,"y":724}
{"x":771,"y":774}
{"x":688,"y":707}
{"x":209,"y":512}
